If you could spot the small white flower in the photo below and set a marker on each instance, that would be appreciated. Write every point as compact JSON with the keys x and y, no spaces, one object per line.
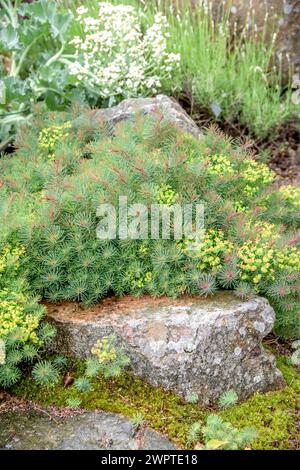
{"x":116,"y":58}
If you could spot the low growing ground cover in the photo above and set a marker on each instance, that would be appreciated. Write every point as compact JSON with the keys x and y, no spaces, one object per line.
{"x":274,"y":415}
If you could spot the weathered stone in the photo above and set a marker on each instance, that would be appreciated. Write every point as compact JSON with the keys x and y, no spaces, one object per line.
{"x":33,"y":430}
{"x":169,"y":106}
{"x":189,"y":345}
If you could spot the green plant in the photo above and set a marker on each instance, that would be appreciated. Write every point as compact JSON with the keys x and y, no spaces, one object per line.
{"x":228,"y":399}
{"x":220,"y":435}
{"x":116,"y":59}
{"x":194,"y":433}
{"x":227,"y":71}
{"x":73,"y":402}
{"x":110,"y":357}
{"x":192,"y":397}
{"x":22,"y":335}
{"x":138,"y":419}
{"x":250,"y":244}
{"x":33,"y":37}
{"x":82,"y":384}
{"x":60,"y":362}
{"x":45,"y":373}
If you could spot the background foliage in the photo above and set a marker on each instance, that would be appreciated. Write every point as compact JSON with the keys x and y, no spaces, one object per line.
{"x":230,"y":74}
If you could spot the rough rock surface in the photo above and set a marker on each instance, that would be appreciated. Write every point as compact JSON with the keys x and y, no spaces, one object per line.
{"x":204,"y":346}
{"x":33,"y":430}
{"x":170,"y":108}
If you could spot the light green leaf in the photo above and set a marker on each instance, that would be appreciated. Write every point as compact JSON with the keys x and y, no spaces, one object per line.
{"x":9,"y":39}
{"x":60,"y":24}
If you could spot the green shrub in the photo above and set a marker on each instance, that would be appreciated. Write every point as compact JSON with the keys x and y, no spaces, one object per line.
{"x":21,"y":333}
{"x":50,"y":194}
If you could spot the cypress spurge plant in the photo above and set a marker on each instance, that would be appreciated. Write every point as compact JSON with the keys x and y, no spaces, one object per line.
{"x":221,"y":435}
{"x":22,"y":334}
{"x":52,"y":187}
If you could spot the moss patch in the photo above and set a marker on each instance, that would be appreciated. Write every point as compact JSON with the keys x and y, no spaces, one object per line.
{"x":274,"y":414}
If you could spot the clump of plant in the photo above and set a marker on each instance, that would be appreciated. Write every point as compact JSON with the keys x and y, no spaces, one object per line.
{"x":116,"y":59}
{"x":228,"y":399}
{"x":50,"y":199}
{"x":110,"y":359}
{"x":221,"y":435}
{"x":192,"y":397}
{"x":33,"y":39}
{"x":22,"y":335}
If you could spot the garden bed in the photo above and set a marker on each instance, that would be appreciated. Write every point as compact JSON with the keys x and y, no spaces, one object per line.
{"x":73,"y":149}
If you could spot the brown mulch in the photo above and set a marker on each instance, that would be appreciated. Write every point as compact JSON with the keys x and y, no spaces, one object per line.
{"x":13,"y":403}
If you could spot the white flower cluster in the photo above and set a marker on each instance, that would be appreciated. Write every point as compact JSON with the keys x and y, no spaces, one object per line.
{"x":115,"y":59}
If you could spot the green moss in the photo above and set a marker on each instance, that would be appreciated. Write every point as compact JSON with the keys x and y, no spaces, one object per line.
{"x":274,"y":414}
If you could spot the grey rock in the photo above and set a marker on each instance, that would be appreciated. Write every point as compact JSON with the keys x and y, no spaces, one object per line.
{"x":189,"y":345}
{"x":33,"y":430}
{"x":168,"y":106}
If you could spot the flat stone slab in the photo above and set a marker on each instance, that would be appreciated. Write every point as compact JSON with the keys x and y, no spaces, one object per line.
{"x":33,"y":430}
{"x":189,"y":345}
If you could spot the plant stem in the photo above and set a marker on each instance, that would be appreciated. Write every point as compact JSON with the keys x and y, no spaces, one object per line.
{"x":55,"y":56}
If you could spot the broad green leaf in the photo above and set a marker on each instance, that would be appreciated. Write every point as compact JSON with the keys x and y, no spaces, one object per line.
{"x":16,"y":89}
{"x":31,"y":32}
{"x":43,"y":10}
{"x":9,"y":39}
{"x":60,"y":24}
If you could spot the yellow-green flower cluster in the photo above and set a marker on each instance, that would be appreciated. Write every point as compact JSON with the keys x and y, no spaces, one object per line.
{"x":262,"y":259}
{"x":256,"y":261}
{"x":13,"y":317}
{"x":211,"y":250}
{"x":240,"y":206}
{"x":105,"y":350}
{"x":291,"y":194}
{"x":287,"y":259}
{"x":50,"y":136}
{"x":10,"y":257}
{"x":166,"y":195}
{"x":255,"y":175}
{"x":141,"y":281}
{"x":12,"y":311}
{"x":220,"y":165}
{"x":263,"y":230}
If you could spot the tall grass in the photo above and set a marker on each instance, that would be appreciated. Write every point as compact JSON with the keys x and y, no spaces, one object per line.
{"x":228,"y":72}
